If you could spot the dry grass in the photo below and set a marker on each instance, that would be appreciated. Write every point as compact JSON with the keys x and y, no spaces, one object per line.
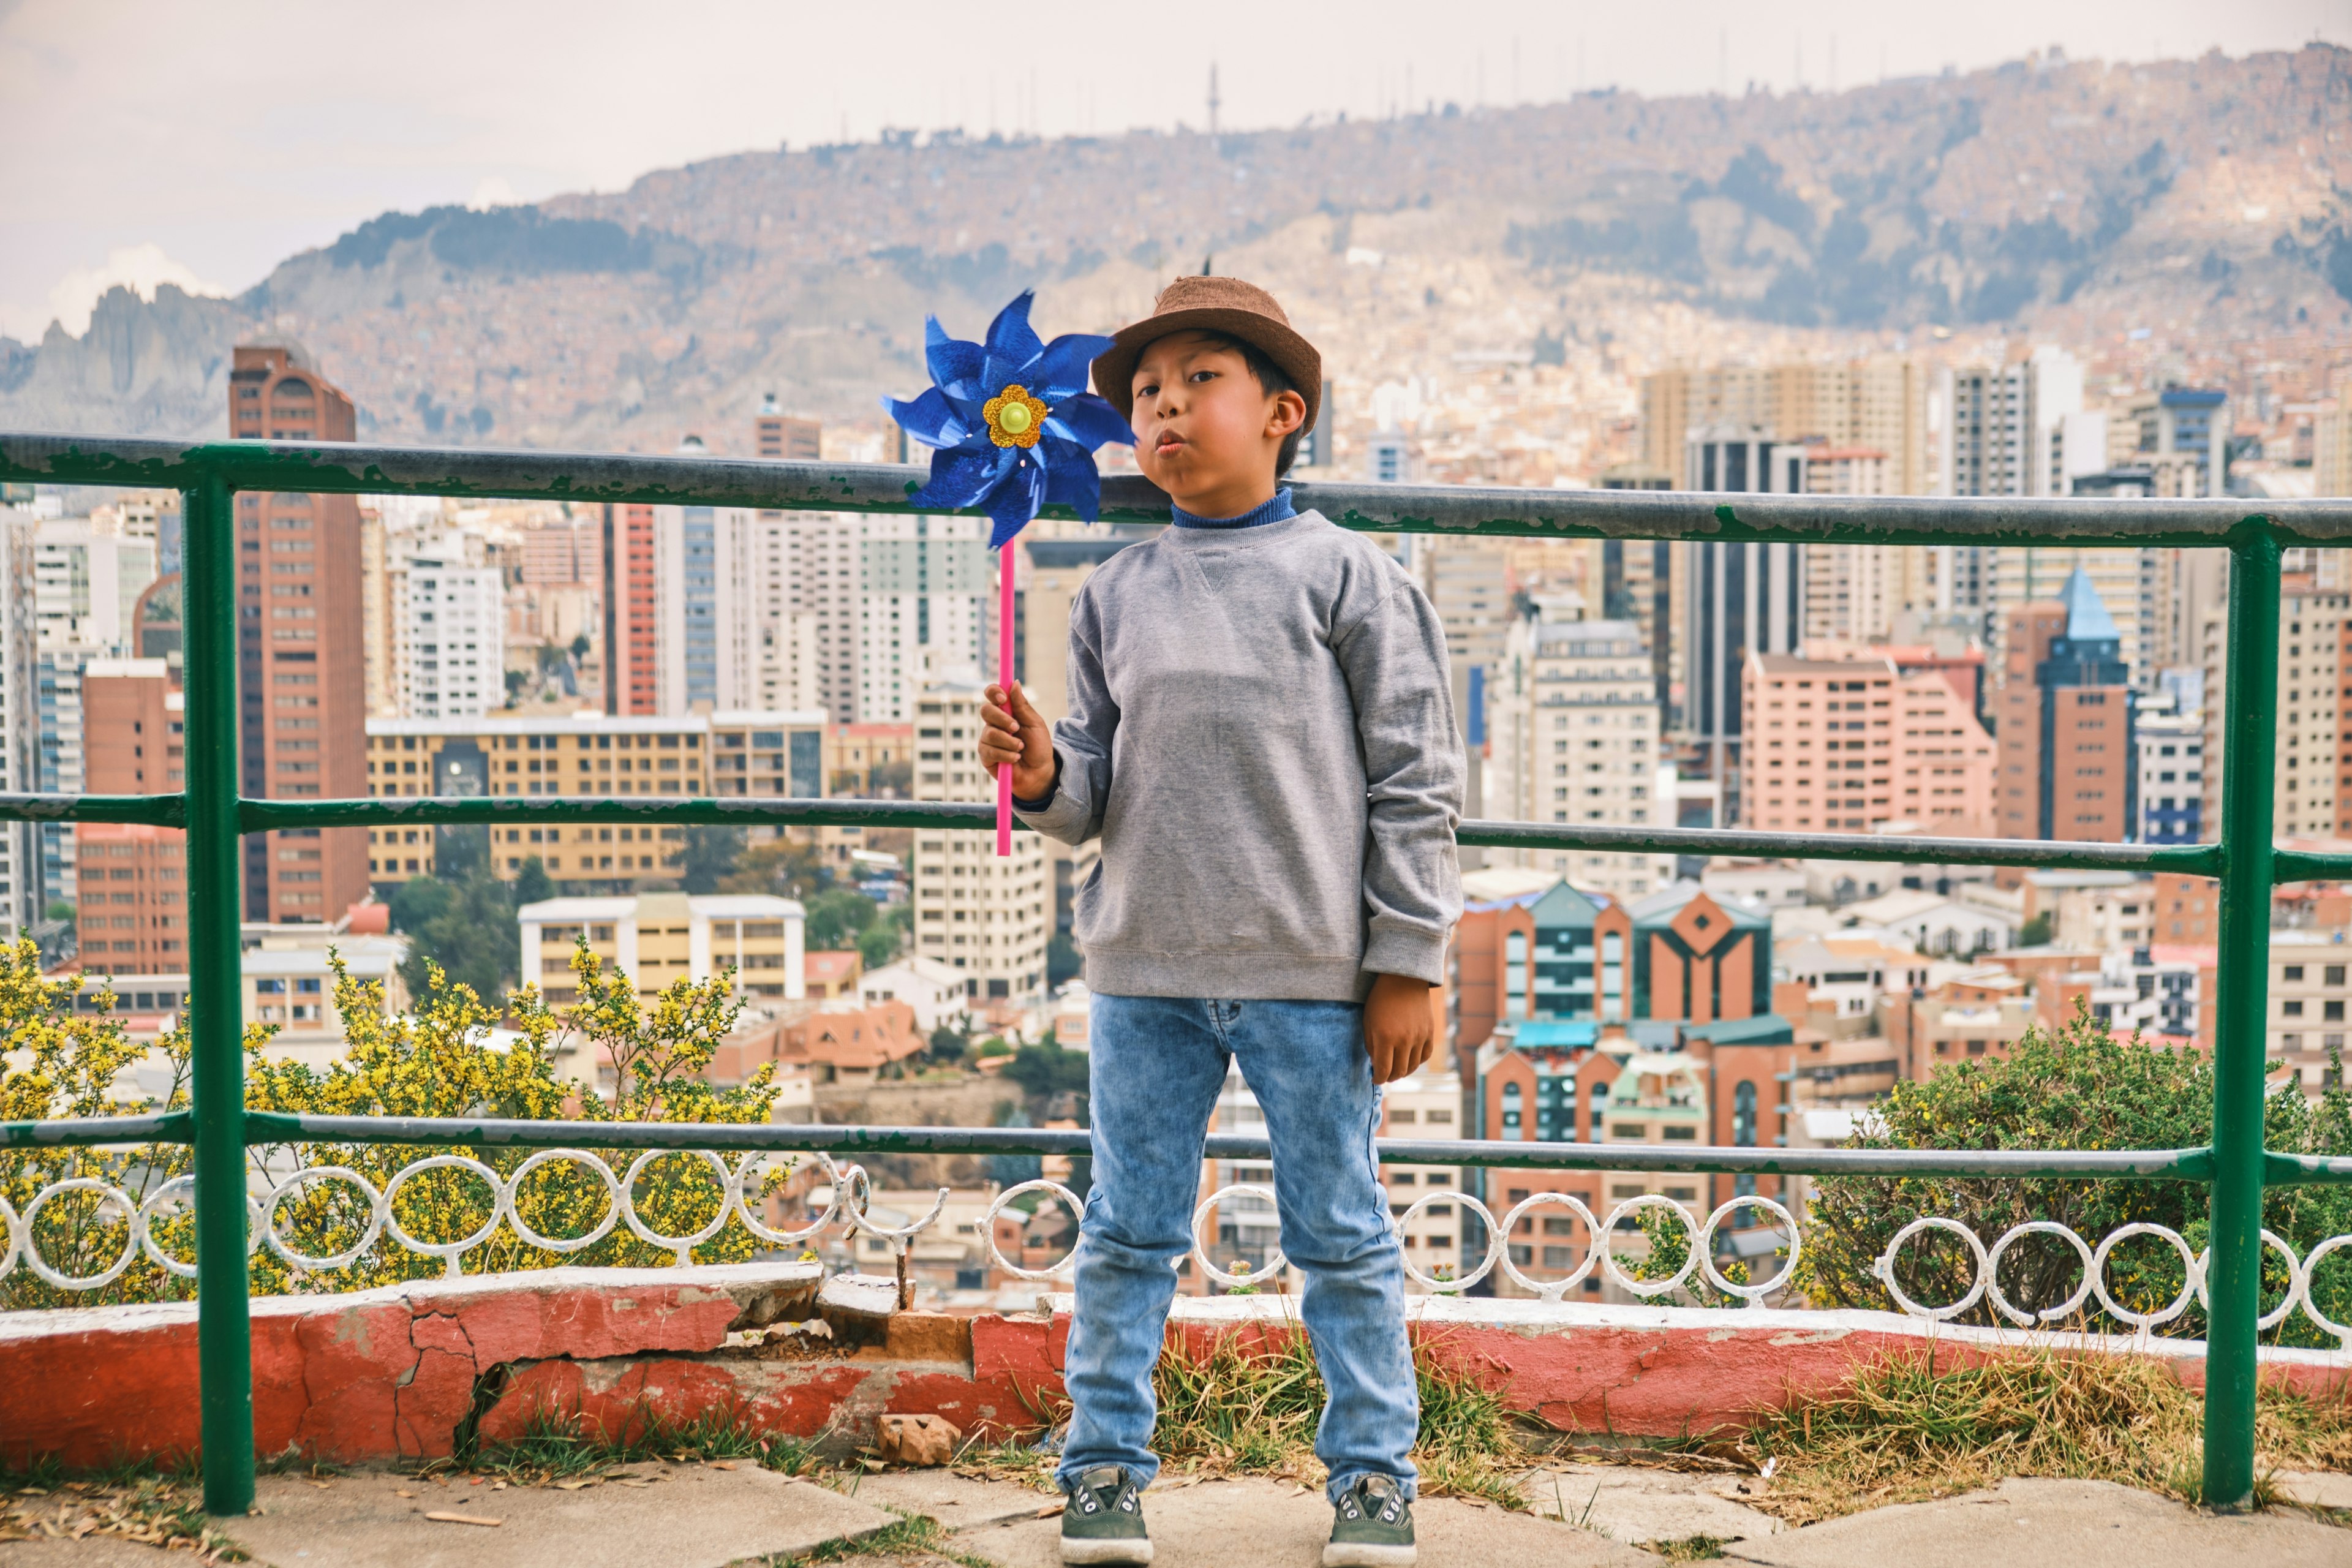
{"x":1898,"y":1432}
{"x":1236,"y":1407}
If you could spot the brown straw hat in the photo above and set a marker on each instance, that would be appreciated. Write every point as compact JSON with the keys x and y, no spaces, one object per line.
{"x":1224,"y":305}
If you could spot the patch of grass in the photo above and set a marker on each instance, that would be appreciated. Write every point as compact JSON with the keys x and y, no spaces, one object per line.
{"x":1690,"y":1549}
{"x":559,"y":1445}
{"x":914,"y":1533}
{"x":1898,"y":1431}
{"x":1252,"y":1409}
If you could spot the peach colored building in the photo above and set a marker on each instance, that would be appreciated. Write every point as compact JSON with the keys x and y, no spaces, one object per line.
{"x":1850,"y":744}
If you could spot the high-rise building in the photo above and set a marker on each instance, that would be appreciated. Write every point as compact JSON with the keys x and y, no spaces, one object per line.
{"x":984,"y":915}
{"x":881,"y":593}
{"x":2001,"y":428}
{"x":2171,"y":775}
{"x":632,"y":644}
{"x":1853,"y":745}
{"x":2069,"y":767}
{"x":1882,"y":404}
{"x":1736,"y":599}
{"x":302,"y":676}
{"x":2313,"y":798}
{"x":86,"y":583}
{"x":2126,"y":580}
{"x":777,"y":435}
{"x":1574,"y":738}
{"x":1468,"y":582}
{"x":23,"y":893}
{"x":448,"y":628}
{"x":131,"y":908}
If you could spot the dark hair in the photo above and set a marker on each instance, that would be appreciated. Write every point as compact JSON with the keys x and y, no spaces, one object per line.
{"x":1269,"y":377}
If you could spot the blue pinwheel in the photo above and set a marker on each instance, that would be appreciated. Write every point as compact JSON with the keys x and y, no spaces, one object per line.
{"x":1012,"y":420}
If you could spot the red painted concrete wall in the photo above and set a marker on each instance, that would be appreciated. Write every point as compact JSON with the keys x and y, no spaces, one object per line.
{"x":391,"y":1374}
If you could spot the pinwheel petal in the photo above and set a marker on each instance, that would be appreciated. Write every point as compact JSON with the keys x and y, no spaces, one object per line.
{"x":1014,"y":502}
{"x":961,"y":478}
{"x":954,"y":365}
{"x":931,"y":418}
{"x":1089,"y":421}
{"x":1013,"y":345}
{"x":1063,"y":369}
{"x":1071,"y":478}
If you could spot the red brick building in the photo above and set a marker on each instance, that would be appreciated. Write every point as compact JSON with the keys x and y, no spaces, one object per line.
{"x":302,"y":660}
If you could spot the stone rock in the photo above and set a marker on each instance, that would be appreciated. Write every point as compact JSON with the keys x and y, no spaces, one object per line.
{"x":919,"y":1440}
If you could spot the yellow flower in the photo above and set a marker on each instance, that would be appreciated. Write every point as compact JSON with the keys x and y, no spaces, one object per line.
{"x":1015,"y":418}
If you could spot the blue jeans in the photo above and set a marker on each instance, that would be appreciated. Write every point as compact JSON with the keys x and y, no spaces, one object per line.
{"x":1159,"y":1064}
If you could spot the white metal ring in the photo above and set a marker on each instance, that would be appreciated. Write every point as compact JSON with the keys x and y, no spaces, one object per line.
{"x":683,"y":1246}
{"x":377,"y":1209}
{"x":2188,"y":1287}
{"x":12,"y":1232}
{"x":447,"y":1251}
{"x":1556,"y":1289}
{"x":562,"y":1244}
{"x":861,"y":1192}
{"x":2065,"y":1308}
{"x":1703,"y":1245}
{"x":2310,"y":1271}
{"x":1274,"y":1267}
{"x":1609,"y":1264}
{"x":179,"y":1186}
{"x":1884,"y":1268}
{"x":1448,"y":1287}
{"x":32,"y":1246}
{"x":751,"y":1221}
{"x":2297,"y":1281}
{"x":988,"y":1228}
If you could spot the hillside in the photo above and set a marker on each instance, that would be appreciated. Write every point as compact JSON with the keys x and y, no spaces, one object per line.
{"x":2196,"y":199}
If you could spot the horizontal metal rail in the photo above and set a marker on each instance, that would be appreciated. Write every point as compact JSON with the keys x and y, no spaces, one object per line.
{"x":2105,"y":1164}
{"x":266,"y":816}
{"x":355,"y":469}
{"x":88,"y":1132}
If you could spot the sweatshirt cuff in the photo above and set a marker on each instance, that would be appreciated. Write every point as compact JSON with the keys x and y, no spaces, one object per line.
{"x":1416,"y":955}
{"x":1060,"y":814}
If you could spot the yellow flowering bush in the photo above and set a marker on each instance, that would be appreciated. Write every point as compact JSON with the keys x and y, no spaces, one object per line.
{"x":440,"y":1060}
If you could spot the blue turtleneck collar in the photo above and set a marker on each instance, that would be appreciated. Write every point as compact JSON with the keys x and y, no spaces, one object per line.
{"x":1274,"y":511}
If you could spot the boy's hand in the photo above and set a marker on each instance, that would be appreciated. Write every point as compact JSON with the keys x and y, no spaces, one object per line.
{"x":1013,"y":732}
{"x":1398,"y":1030}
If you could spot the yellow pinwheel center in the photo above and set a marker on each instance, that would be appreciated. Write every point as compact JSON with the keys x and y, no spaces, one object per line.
{"x":1015,"y":418}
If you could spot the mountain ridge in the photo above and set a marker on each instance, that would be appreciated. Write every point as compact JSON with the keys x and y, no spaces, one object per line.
{"x":2044,"y":193}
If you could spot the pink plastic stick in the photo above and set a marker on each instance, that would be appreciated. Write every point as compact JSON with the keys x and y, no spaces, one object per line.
{"x":1004,"y":678}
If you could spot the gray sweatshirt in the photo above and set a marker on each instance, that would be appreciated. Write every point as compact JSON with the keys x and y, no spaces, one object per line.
{"x":1262,"y":733}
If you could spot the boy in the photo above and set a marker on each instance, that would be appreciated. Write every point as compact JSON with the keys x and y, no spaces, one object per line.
{"x":1262,"y":734}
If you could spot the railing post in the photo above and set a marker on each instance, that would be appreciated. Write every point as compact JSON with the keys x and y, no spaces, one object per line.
{"x":2233,"y":1276}
{"x":216,"y":1003}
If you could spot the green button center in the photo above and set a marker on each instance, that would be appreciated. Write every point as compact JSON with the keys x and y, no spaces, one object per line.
{"x":1013,"y":417}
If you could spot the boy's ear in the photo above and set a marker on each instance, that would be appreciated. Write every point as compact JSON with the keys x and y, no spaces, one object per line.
{"x":1289,"y":412}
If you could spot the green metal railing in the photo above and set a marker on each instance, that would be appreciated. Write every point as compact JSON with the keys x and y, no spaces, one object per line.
{"x":215,"y":817}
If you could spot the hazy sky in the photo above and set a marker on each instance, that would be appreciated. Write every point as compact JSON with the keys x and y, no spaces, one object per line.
{"x":204,"y":143}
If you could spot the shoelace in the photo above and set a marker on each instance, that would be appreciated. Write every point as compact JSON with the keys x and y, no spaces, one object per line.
{"x":1120,"y":1495}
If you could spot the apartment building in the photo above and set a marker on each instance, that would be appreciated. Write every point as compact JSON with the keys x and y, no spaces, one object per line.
{"x":301,"y":641}
{"x":1574,"y":737}
{"x":2313,"y":795}
{"x":2308,"y":995}
{"x":658,"y":939}
{"x":448,"y":628}
{"x":583,"y":754}
{"x":986,"y":916}
{"x":1425,"y":1105}
{"x":2069,"y":764}
{"x":1853,"y":744}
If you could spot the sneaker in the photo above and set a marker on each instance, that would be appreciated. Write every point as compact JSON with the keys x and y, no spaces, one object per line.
{"x":1371,"y":1527}
{"x":1103,"y":1521}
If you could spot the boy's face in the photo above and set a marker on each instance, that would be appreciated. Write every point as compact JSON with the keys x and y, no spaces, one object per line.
{"x":1206,"y":431}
